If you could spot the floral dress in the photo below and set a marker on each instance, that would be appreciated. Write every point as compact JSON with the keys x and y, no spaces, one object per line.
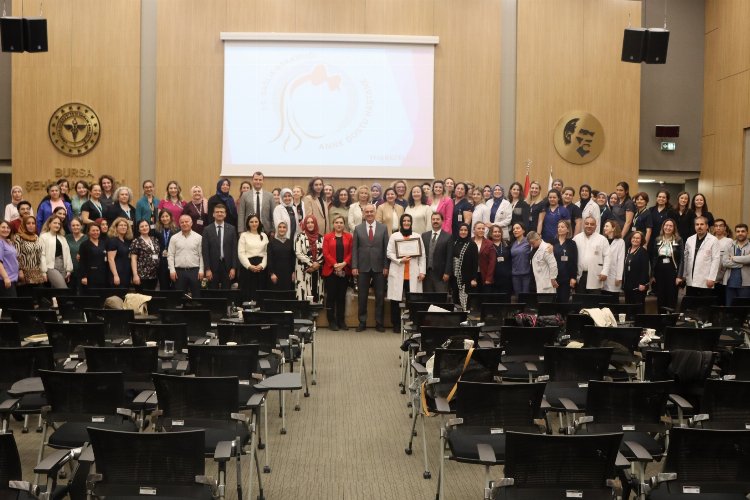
{"x":145,"y":263}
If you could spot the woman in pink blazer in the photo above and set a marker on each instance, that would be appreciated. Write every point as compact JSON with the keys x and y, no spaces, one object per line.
{"x":442,"y":204}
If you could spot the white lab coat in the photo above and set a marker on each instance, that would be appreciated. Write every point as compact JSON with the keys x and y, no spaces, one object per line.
{"x":707,"y":261}
{"x":593,"y":256}
{"x":417,"y":266}
{"x":592,"y":210}
{"x":616,"y":265}
{"x":502,"y":217}
{"x":544,"y":265}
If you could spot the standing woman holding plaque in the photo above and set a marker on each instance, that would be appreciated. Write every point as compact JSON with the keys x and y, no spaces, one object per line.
{"x":408,"y":265}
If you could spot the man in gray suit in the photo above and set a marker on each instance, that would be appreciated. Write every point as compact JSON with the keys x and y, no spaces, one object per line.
{"x":256,"y":201}
{"x":370,"y":265}
{"x":219,"y":248}
{"x":439,"y":248}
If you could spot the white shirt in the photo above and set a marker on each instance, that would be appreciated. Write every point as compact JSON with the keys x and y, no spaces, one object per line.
{"x":593,"y":258}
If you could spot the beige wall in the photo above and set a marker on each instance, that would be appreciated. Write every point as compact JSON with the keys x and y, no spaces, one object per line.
{"x":190,"y":75}
{"x":726,"y":109}
{"x":93,"y":58}
{"x":568,"y":59}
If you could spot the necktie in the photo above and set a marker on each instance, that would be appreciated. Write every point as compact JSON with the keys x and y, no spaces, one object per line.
{"x":370,"y":233}
{"x":431,"y":253}
{"x":257,"y":203}
{"x":221,"y":244}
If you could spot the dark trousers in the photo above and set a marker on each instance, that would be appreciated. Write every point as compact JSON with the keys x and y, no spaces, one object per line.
{"x":721,"y":292}
{"x":563,"y":291}
{"x":187,"y":281}
{"x":664,"y":286}
{"x":731,"y":293}
{"x":364,"y":281}
{"x":165,"y":282}
{"x":220,"y":280}
{"x":581,"y":283}
{"x":635,"y":297}
{"x":396,"y":310}
{"x":8,"y":292}
{"x":147,"y":285}
{"x":699,"y":292}
{"x":336,"y":299}
{"x":434,"y":283}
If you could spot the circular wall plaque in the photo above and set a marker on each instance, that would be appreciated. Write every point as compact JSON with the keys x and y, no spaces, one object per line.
{"x":579,"y":137}
{"x":74,"y":129}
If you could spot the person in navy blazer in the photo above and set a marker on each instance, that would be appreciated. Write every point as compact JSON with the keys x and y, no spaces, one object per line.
{"x":370,"y":266}
{"x":219,"y":272}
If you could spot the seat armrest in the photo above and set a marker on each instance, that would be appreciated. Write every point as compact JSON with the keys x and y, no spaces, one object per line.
{"x":569,"y":405}
{"x":487,"y":344}
{"x":87,"y":454}
{"x":24,"y":486}
{"x":240,"y":417}
{"x":263,"y":364}
{"x":8,"y":405}
{"x":621,"y":462}
{"x":124,"y":412}
{"x":641,"y":454}
{"x":544,"y":405}
{"x":680,"y":401}
{"x":419,"y":368}
{"x":294,"y":339}
{"x":501,"y":368}
{"x":486,"y":453}
{"x":442,"y":406}
{"x":143,"y":397}
{"x":223,"y":451}
{"x":53,"y":462}
{"x":454,"y":422}
{"x":255,"y":400}
{"x":284,"y":342}
{"x":531,"y":367}
{"x":182,"y":366}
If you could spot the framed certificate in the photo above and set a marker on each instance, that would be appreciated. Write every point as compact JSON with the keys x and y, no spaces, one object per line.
{"x":409,"y":248}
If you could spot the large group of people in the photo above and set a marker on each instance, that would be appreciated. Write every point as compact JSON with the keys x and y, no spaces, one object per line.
{"x":320,"y":241}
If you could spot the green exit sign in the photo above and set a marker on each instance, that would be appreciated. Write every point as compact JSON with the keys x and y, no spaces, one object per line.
{"x":668,"y":146}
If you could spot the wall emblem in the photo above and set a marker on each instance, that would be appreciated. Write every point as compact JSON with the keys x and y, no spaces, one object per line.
{"x":74,"y":129}
{"x":579,"y":137}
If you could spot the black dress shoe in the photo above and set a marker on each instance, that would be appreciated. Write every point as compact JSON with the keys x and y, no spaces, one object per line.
{"x":361,"y":327}
{"x":343,"y":326}
{"x":379,"y":328}
{"x":334,"y":327}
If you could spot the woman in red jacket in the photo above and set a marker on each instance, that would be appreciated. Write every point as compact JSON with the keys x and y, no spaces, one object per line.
{"x":337,"y":266}
{"x":487,"y":256}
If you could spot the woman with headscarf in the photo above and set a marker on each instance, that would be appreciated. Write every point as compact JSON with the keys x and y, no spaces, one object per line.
{"x":465,"y":265}
{"x":11,"y":209}
{"x":224,"y":197}
{"x":337,"y":267}
{"x":405,"y":274}
{"x":285,"y":212}
{"x":252,"y":251}
{"x":197,"y":209}
{"x":376,"y":194}
{"x":501,"y":212}
{"x":29,"y":251}
{"x":308,"y":246}
{"x":281,"y":258}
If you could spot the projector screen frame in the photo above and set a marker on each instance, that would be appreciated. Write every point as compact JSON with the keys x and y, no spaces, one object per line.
{"x":329,"y":37}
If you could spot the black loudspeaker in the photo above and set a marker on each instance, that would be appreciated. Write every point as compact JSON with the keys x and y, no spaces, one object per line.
{"x":11,"y":33}
{"x":633,"y":45}
{"x":35,"y":34}
{"x":657,"y":42}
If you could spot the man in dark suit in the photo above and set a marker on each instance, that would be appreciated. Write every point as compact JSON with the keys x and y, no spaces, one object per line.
{"x":370,"y":265}
{"x":219,"y":247}
{"x":259,"y":202}
{"x":439,"y":248}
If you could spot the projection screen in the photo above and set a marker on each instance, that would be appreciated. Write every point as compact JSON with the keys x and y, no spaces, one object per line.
{"x":299,"y":105}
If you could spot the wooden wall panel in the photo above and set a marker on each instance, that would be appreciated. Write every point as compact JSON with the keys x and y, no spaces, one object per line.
{"x":732,"y":106}
{"x":190,"y":75}
{"x":94,"y":58}
{"x":710,"y":19}
{"x":725,"y":203}
{"x":467,"y":90}
{"x":733,"y":18}
{"x":708,"y":163}
{"x":569,"y":58}
{"x":710,"y":72}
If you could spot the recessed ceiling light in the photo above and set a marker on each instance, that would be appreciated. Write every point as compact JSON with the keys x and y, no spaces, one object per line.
{"x":646,"y":181}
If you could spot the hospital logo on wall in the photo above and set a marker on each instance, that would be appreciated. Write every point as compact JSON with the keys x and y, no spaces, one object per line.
{"x":74,"y":129}
{"x":579,"y":137}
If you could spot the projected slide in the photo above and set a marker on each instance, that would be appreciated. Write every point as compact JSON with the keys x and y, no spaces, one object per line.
{"x":330,"y":109}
